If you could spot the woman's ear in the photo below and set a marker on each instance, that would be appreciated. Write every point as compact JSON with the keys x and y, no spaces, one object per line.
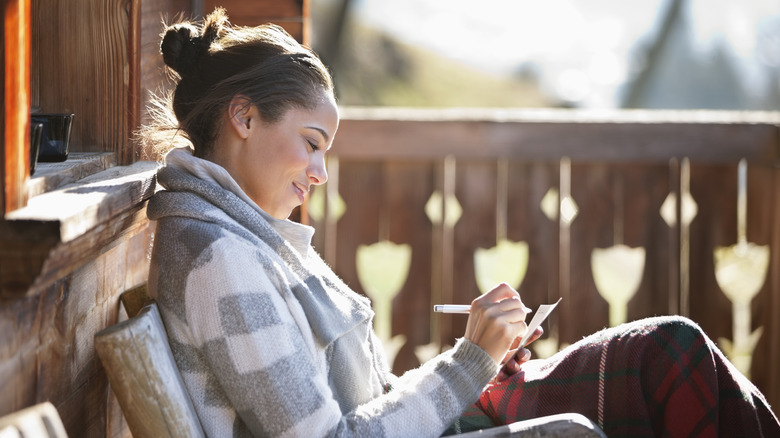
{"x":240,"y":115}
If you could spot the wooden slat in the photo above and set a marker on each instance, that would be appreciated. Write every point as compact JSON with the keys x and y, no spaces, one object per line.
{"x":152,"y":74}
{"x":772,"y":387}
{"x":84,"y":67}
{"x":549,"y":135}
{"x":406,"y":223}
{"x":475,"y":189}
{"x":292,"y":15}
{"x":129,"y":151}
{"x":610,"y":176}
{"x":15,"y":167}
{"x":258,"y":9}
{"x":527,"y":185}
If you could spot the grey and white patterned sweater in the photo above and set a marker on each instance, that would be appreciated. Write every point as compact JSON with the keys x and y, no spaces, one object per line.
{"x":269,"y":341}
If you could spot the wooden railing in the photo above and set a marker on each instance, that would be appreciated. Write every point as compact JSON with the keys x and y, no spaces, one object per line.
{"x":646,"y":199}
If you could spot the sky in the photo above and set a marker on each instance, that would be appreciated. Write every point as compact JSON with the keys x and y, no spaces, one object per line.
{"x":581,"y":49}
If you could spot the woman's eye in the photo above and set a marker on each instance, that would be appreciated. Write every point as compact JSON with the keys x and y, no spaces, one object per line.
{"x":313,"y":145}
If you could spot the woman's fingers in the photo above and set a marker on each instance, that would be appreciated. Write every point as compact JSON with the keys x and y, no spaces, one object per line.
{"x":513,"y":365}
{"x":538,"y":332}
{"x":496,"y":320}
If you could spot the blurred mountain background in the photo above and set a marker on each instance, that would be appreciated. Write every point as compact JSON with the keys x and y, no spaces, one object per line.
{"x":597,"y":54}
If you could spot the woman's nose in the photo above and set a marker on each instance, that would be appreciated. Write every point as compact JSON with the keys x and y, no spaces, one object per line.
{"x":317,"y":171}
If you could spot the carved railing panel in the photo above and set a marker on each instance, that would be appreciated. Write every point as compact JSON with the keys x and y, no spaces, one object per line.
{"x":622,"y":219}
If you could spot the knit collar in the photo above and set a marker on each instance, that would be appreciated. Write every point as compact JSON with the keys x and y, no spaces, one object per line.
{"x":194,"y":185}
{"x":297,"y":234}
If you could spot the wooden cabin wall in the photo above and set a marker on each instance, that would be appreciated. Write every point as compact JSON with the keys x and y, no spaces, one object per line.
{"x":46,"y":341}
{"x":292,"y":15}
{"x":99,"y":60}
{"x":86,"y":57}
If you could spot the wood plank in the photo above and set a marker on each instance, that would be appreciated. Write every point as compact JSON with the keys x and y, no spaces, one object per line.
{"x":92,"y":200}
{"x":292,"y":15}
{"x":129,"y":151}
{"x":243,"y":10}
{"x":84,"y":68}
{"x":475,"y":189}
{"x":46,"y":341}
{"x":51,"y":176}
{"x":18,"y":358}
{"x":772,"y":387}
{"x":548,"y":135}
{"x":15,"y":162}
{"x":39,"y":244}
{"x":154,"y":13}
{"x":528,"y":183}
{"x":409,"y":186}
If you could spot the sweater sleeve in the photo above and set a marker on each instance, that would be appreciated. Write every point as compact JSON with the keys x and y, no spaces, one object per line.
{"x":253,"y":344}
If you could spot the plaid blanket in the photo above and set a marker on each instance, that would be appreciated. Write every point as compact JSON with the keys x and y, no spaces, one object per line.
{"x":655,"y":377}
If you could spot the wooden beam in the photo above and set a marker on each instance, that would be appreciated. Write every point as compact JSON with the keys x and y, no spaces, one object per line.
{"x":130,"y":152}
{"x":16,"y":103}
{"x":654,"y":136}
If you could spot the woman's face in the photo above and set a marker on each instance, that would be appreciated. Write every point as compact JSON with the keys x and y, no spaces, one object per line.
{"x":284,"y":159}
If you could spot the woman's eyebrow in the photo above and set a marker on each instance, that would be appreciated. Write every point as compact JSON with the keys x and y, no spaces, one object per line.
{"x":321,"y":131}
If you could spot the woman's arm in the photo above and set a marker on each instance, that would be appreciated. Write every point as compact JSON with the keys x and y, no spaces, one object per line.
{"x":267,"y":366}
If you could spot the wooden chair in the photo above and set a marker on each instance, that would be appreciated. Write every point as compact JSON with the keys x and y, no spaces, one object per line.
{"x":39,"y":421}
{"x":143,"y":374}
{"x":152,"y":395}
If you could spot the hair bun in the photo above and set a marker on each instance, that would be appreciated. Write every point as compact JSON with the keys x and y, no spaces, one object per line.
{"x":181,"y":48}
{"x":183,"y":44}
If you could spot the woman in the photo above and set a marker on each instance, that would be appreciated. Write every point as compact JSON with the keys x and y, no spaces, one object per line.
{"x":271,"y":342}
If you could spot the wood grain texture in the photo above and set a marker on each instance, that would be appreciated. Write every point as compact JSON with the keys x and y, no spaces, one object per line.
{"x":82,"y":53}
{"x":292,"y":15}
{"x":15,"y":167}
{"x":39,"y":243}
{"x":399,"y":133}
{"x":619,"y":190}
{"x":258,"y":8}
{"x":56,"y":295}
{"x":46,"y":340}
{"x":51,"y":176}
{"x":153,"y":78}
{"x":143,"y":374}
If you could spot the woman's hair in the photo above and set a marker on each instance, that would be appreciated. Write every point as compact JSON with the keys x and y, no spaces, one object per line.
{"x":216,"y":61}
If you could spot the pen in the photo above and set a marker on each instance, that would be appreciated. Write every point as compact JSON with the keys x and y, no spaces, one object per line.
{"x":452,"y":308}
{"x":458,"y":308}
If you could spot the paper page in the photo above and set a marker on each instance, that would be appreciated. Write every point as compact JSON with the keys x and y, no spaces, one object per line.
{"x":539,"y":317}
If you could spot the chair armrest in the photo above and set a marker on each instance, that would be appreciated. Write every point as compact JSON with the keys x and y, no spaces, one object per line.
{"x":554,"y":426}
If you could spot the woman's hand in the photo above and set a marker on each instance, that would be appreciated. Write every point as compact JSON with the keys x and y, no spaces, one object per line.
{"x":497,"y":321}
{"x":517,"y":356}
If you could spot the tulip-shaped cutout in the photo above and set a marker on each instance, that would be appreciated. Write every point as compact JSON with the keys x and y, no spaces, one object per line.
{"x":544,"y":348}
{"x":506,"y":262}
{"x":382,"y":269}
{"x":426,"y":352}
{"x":617,"y":272}
{"x":740,"y":271}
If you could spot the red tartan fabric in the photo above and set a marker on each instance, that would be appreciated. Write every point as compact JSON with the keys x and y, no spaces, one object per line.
{"x":654,"y":377}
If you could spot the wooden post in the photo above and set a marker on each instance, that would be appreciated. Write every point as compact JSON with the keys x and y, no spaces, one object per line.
{"x":15,"y":167}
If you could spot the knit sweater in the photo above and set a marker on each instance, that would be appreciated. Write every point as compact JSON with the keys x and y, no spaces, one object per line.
{"x":269,"y":341}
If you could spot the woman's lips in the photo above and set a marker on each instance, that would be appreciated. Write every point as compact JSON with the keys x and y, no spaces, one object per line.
{"x":301,"y":191}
